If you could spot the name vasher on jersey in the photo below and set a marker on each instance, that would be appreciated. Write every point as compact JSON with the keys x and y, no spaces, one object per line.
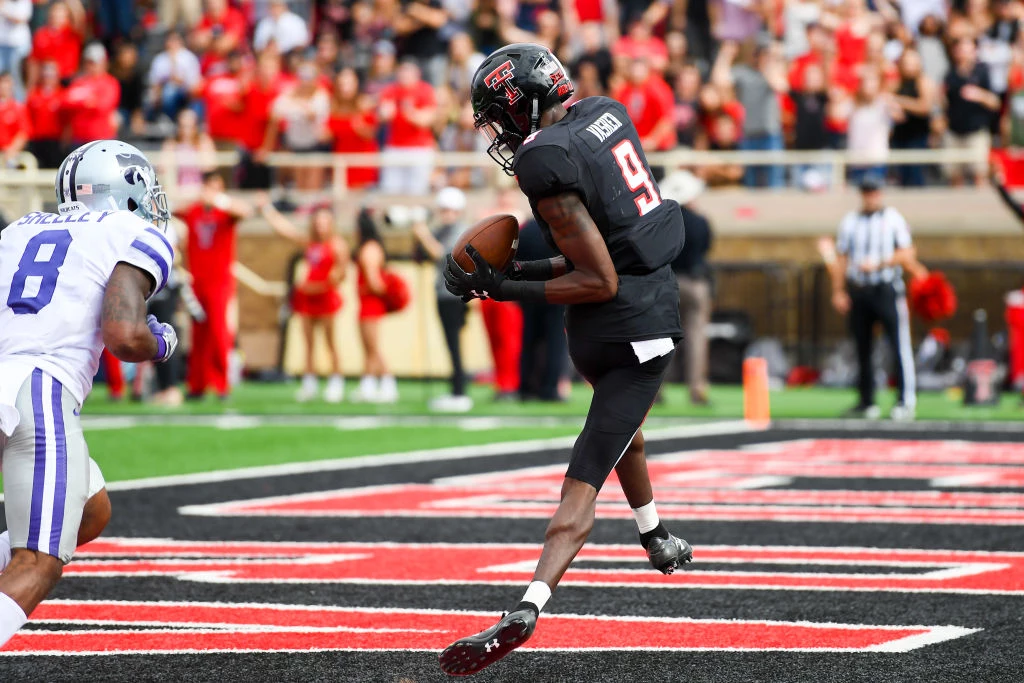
{"x":595,"y":152}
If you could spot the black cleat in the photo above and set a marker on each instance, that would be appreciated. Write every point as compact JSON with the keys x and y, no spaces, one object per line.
{"x":668,"y":554}
{"x":469,"y":655}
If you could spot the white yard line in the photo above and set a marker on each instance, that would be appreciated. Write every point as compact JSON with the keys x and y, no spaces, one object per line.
{"x":923,"y":426}
{"x":412,"y":457}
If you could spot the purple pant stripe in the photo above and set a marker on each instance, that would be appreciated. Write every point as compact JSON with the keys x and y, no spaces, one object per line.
{"x":61,"y":484}
{"x":39,"y":473}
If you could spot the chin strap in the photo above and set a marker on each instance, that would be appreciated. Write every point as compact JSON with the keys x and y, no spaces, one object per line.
{"x":534,"y":117}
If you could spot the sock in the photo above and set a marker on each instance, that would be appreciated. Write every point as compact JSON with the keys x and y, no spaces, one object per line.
{"x":5,"y":550}
{"x":536,"y":596}
{"x":657,"y":532}
{"x":12,"y":618}
{"x":646,"y":517}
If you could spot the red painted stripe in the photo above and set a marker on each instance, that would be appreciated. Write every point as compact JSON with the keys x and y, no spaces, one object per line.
{"x":927,"y":571}
{"x":243,"y":627}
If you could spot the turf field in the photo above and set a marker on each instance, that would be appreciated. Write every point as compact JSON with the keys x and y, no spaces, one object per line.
{"x":361,"y":540}
{"x":819,"y":556}
{"x":726,"y":402}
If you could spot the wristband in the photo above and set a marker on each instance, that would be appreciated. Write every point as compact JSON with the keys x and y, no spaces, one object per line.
{"x":535,"y":270}
{"x":161,"y":347}
{"x":512,"y":290}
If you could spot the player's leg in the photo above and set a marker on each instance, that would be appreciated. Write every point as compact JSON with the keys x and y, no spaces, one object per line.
{"x":95,"y":515}
{"x":665,"y":551}
{"x":97,"y":511}
{"x":623,"y":392}
{"x":46,"y":487}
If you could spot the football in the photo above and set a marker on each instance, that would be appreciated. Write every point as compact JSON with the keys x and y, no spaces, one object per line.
{"x":495,"y":237}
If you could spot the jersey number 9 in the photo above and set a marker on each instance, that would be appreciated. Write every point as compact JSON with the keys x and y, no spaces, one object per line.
{"x":636,"y":177}
{"x":38,"y":270}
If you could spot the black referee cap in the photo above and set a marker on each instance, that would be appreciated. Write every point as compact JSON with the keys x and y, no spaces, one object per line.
{"x":871,"y":182}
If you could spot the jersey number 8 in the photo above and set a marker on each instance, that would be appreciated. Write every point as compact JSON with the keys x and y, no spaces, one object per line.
{"x":636,"y":177}
{"x":43,"y":257}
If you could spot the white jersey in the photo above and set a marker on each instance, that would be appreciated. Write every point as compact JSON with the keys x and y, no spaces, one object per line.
{"x":53,"y":274}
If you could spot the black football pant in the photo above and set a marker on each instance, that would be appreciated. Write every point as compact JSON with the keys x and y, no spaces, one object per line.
{"x":624,"y":390}
{"x":881,"y":303}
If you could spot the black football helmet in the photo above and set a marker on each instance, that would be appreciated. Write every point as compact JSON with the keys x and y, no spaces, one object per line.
{"x":511,"y":89}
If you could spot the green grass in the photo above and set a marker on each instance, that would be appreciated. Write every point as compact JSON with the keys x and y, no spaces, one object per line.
{"x":154,"y":451}
{"x":727,"y":402}
{"x":147,"y":450}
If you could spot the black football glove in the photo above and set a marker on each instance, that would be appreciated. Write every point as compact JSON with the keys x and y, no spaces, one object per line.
{"x":483,"y":283}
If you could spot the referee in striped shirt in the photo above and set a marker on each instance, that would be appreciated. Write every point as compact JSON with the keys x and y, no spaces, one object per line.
{"x":872,"y":247}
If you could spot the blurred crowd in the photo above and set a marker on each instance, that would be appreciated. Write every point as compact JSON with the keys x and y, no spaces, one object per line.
{"x":394,"y":76}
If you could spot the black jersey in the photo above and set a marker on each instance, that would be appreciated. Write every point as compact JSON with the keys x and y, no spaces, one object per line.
{"x":595,"y":152}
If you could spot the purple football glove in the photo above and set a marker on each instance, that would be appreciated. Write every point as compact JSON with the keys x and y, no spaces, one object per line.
{"x":166,"y":338}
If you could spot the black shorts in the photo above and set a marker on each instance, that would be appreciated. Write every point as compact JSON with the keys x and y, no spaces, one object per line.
{"x":623,"y":393}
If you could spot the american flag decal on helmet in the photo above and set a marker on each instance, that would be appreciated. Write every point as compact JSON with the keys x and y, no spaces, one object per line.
{"x":496,"y":80}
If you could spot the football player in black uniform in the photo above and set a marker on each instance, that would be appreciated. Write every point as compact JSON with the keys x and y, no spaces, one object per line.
{"x":593,"y":193}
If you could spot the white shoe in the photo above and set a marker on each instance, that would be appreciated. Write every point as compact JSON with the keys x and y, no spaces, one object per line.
{"x":901,"y":413}
{"x":387,"y":391}
{"x":451,"y":404}
{"x":309,"y":389}
{"x":367,"y":391}
{"x":335,"y":391}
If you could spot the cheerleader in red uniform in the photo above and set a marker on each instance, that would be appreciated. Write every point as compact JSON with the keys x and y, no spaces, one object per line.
{"x":315,"y":297}
{"x":377,"y":385}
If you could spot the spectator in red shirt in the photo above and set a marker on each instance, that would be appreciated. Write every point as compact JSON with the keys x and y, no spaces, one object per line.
{"x":222,"y":98}
{"x":14,"y":123}
{"x":43,"y":105}
{"x":218,"y":34}
{"x":210,"y":252}
{"x":649,"y":101}
{"x":58,"y":41}
{"x":91,"y":101}
{"x":714,"y":110}
{"x":641,"y":44}
{"x":821,"y":49}
{"x":408,"y":106}
{"x":353,"y":125}
{"x":258,"y":94}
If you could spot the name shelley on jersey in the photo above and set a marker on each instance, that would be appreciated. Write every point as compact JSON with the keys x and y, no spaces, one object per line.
{"x":40,"y":218}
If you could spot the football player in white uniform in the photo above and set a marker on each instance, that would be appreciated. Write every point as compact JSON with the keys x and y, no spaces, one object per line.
{"x":70,"y":283}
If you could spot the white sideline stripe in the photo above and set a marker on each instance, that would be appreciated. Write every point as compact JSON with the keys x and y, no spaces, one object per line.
{"x":924,"y":426}
{"x":412,"y":457}
{"x":354,"y":422}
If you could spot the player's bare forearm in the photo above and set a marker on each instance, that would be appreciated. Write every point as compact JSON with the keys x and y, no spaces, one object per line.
{"x":593,"y":278}
{"x":123,"y":320}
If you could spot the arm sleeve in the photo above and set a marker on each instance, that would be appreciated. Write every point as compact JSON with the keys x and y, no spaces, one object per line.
{"x":545,"y":171}
{"x":150,"y":251}
{"x":900,"y":229}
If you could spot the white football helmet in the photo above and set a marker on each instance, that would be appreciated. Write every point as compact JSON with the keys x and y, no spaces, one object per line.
{"x":110,"y":175}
